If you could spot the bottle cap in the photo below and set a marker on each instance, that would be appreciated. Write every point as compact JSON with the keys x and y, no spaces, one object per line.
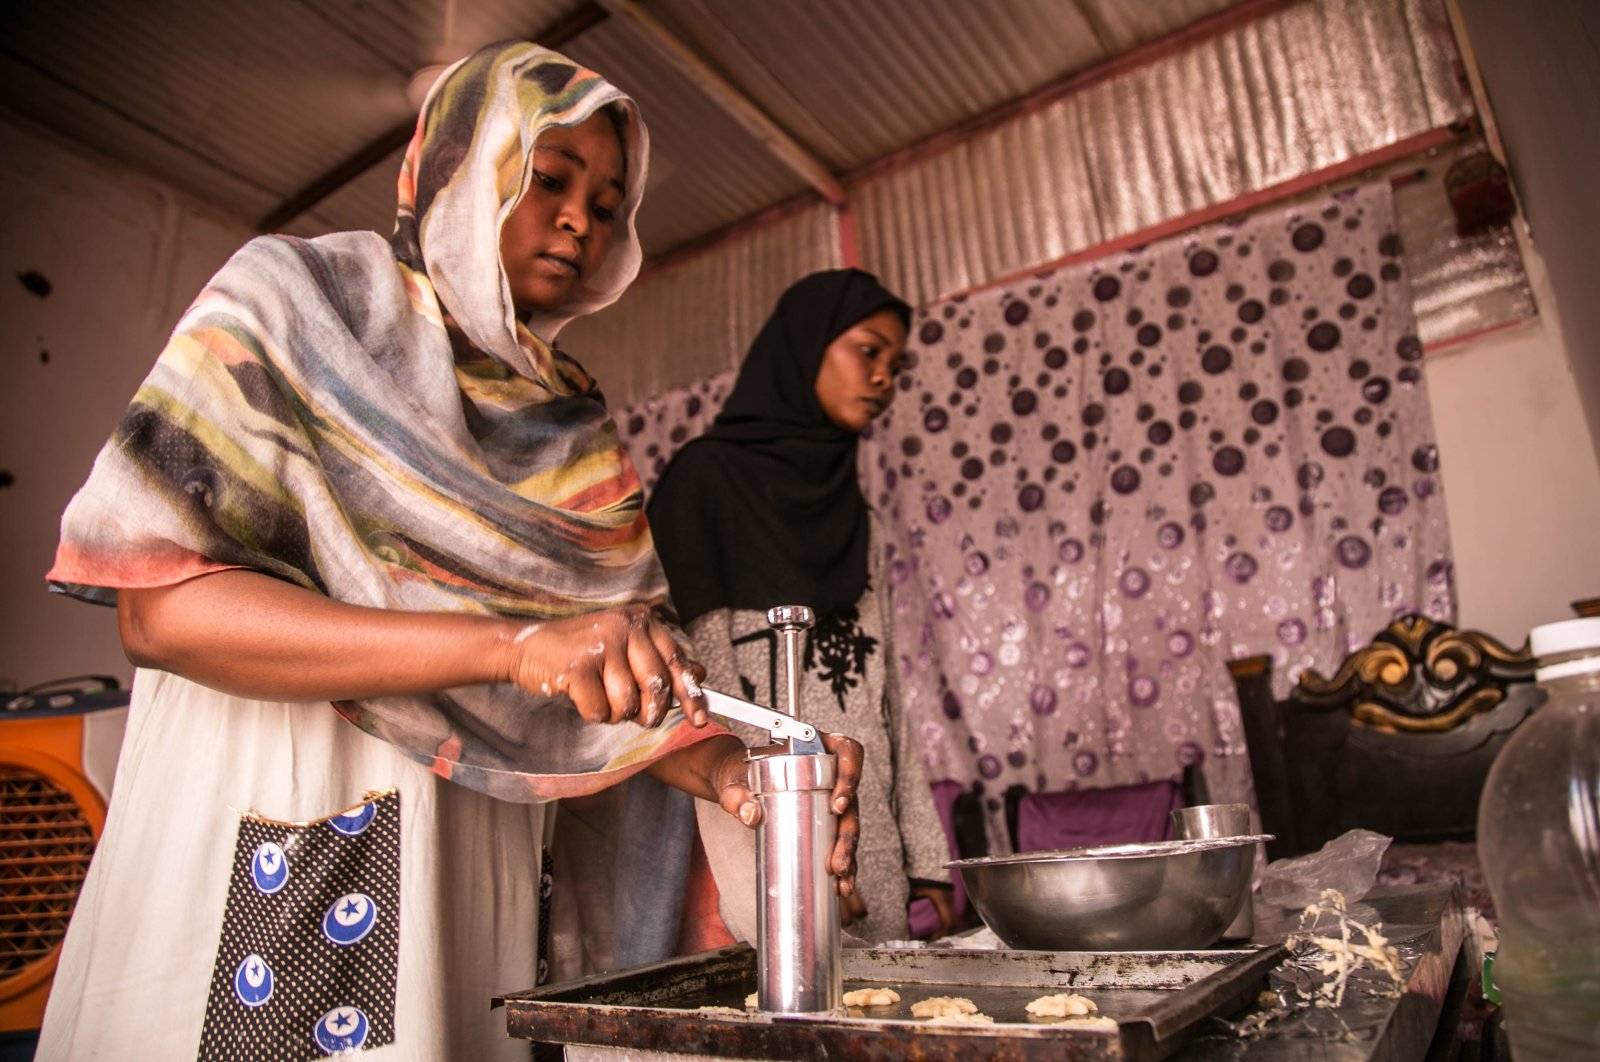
{"x":1552,"y":641}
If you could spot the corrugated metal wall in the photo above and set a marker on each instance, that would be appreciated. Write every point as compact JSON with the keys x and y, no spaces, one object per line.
{"x":1223,"y":121}
{"x":1295,"y":92}
{"x":697,"y":317}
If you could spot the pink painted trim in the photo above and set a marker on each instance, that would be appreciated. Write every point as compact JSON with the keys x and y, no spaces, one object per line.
{"x":1467,"y":337}
{"x":849,"y":246}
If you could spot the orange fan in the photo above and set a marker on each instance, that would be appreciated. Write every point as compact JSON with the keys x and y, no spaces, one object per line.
{"x":56,"y":762}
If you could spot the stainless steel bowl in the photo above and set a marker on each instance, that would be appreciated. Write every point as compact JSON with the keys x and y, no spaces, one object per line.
{"x":1165,"y":895}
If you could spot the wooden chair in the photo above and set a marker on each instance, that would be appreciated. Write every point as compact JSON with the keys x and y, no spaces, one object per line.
{"x":1398,"y":741}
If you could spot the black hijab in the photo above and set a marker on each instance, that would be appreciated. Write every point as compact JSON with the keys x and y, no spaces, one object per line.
{"x":765,"y":508}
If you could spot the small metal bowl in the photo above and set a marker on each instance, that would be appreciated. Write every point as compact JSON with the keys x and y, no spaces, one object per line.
{"x":1160,"y":896}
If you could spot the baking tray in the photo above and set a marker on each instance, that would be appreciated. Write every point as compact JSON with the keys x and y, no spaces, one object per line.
{"x":1158,"y":999}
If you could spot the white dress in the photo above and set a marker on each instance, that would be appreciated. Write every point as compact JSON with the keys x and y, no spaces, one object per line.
{"x":136,"y":971}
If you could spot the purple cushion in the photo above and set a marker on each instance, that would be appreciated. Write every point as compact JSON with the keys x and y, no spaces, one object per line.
{"x":1079,"y":818}
{"x":944,"y":802}
{"x":924,"y":918}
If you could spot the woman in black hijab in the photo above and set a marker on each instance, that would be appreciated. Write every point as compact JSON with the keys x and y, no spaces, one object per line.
{"x":766,"y":509}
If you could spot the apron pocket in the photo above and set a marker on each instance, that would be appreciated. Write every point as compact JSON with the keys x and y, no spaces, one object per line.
{"x":309,"y":953}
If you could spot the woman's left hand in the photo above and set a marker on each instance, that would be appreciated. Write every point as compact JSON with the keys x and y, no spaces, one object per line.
{"x":718,"y":769}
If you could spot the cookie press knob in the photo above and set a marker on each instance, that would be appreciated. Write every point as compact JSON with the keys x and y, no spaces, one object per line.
{"x":790,"y":620}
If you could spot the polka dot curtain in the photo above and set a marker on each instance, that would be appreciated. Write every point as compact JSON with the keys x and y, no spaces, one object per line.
{"x":1101,"y":483}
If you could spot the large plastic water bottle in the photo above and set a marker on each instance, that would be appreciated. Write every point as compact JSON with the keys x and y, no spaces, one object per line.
{"x":1539,"y":843}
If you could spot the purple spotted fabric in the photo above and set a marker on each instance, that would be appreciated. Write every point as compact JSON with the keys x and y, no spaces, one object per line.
{"x":1101,"y":483}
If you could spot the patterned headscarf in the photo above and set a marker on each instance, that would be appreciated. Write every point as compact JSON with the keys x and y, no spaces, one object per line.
{"x":368,"y":419}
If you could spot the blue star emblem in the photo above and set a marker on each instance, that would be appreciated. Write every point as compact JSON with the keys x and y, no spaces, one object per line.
{"x":341,"y":1029}
{"x":352,"y":823}
{"x":350,"y":918}
{"x":253,"y":981}
{"x":269,"y":867}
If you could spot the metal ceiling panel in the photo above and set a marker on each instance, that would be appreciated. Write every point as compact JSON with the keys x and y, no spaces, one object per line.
{"x":243,"y":105}
{"x":236,"y":103}
{"x":707,"y":171}
{"x":858,"y":79}
{"x":366,"y":202}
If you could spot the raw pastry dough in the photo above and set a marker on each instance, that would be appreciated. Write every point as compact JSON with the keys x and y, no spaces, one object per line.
{"x":1090,"y":1021}
{"x":943,"y":1006}
{"x":961,"y":1019}
{"x":871,"y":997}
{"x":720,"y":1010}
{"x":752,"y":1001}
{"x":1062,"y":1005}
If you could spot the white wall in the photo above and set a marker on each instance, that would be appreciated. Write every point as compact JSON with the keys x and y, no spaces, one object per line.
{"x":124,"y":256}
{"x":1521,"y":483}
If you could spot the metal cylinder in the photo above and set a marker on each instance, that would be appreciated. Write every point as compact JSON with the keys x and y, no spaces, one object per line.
{"x":1219,"y":820}
{"x":798,"y":966}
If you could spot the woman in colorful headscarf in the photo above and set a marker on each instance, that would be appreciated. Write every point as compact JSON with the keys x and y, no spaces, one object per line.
{"x":766,"y":509}
{"x":359,"y":474}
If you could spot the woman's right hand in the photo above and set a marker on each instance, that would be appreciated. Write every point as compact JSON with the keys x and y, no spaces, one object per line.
{"x":621,"y":665}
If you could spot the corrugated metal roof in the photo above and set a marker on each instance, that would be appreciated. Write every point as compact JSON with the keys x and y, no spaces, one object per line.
{"x":243,"y":104}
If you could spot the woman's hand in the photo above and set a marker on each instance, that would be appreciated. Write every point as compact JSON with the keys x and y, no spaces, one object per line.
{"x":852,"y":908}
{"x":843,"y":801}
{"x":621,"y":665}
{"x":717,"y":769}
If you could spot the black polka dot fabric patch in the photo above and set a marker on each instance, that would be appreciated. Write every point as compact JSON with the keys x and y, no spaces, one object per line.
{"x":307,"y":963}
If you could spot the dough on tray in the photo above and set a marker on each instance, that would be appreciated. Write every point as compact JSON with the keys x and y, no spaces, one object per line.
{"x":1062,"y":1005}
{"x":752,"y":1001}
{"x":871,"y":997}
{"x":943,"y":1006}
{"x":961,"y":1019}
{"x":1090,"y":1021}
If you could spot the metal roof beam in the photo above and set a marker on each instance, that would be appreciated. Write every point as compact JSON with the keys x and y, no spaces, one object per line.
{"x":724,"y":94}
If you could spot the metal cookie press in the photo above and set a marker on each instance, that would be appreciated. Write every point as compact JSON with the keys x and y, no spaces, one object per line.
{"x":798,"y":967}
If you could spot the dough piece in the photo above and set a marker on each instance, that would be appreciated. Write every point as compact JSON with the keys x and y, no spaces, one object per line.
{"x":752,"y":1001}
{"x":961,"y":1019}
{"x":1090,"y":1021}
{"x":941,"y":1006}
{"x":1062,"y":1005}
{"x":871,"y":997}
{"x":720,"y":1010}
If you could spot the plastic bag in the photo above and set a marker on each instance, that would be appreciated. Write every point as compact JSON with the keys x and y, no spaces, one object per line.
{"x":1348,"y":864}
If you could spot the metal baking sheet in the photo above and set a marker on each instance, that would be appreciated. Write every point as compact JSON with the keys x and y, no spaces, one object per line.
{"x":1157,"y":999}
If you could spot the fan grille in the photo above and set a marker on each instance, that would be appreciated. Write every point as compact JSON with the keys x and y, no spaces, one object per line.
{"x":45,"y":845}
